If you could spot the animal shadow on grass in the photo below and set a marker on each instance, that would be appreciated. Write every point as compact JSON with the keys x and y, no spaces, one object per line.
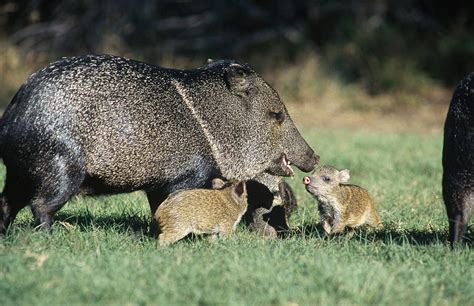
{"x":389,"y":235}
{"x":137,"y":225}
{"x":126,"y":223}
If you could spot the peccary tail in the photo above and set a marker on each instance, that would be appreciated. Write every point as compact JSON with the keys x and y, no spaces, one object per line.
{"x":2,"y":128}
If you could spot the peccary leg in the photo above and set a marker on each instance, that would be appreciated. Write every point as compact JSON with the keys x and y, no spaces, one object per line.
{"x":213,"y":237}
{"x":337,"y":228}
{"x":45,"y":205}
{"x":154,"y":200}
{"x":327,"y":227}
{"x":169,"y":237}
{"x":459,"y":204}
{"x":12,"y":200}
{"x":456,"y":229}
{"x":5,"y":214}
{"x":226,"y":230}
{"x":374,"y":220}
{"x":350,"y":232}
{"x":458,"y":216}
{"x":17,"y":193}
{"x":55,"y":188}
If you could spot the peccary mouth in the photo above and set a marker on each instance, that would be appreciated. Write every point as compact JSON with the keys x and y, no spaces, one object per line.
{"x":314,"y":191}
{"x":286,"y":165}
{"x":311,"y":189}
{"x":283,"y":166}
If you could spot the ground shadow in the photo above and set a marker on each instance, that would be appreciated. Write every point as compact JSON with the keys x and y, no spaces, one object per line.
{"x":389,"y":234}
{"x":122,"y":223}
{"x":134,"y":224}
{"x":145,"y":227}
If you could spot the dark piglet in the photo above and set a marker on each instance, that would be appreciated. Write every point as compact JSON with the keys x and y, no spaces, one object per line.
{"x":270,"y":204}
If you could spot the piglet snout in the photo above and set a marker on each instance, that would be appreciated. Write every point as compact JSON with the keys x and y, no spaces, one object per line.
{"x":306,"y":180}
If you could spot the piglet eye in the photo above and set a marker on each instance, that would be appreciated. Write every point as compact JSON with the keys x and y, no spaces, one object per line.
{"x":278,"y":116}
{"x":326,"y":179}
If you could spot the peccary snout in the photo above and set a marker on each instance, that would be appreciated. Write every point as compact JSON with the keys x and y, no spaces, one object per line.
{"x":302,"y":155}
{"x":309,"y":162}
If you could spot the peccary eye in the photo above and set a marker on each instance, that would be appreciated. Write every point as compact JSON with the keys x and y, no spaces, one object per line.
{"x":326,"y":179}
{"x":278,"y":116}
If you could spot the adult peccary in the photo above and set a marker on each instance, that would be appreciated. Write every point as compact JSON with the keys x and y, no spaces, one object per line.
{"x":106,"y":124}
{"x":458,"y":159}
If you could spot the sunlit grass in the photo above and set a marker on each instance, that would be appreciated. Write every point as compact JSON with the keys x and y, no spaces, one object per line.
{"x":101,"y":250}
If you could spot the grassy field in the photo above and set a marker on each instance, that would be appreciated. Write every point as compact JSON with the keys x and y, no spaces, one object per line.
{"x":101,"y":250}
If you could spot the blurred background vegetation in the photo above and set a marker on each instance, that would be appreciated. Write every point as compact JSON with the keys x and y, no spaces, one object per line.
{"x":335,"y":63}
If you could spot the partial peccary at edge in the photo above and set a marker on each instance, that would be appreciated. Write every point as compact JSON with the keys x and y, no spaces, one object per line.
{"x":201,"y":211}
{"x":105,"y":125}
{"x":458,"y":159}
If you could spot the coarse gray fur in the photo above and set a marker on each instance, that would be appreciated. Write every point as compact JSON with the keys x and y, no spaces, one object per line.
{"x":458,"y":159}
{"x":105,"y":124}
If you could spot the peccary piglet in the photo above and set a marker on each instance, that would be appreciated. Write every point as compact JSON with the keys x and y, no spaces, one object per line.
{"x":270,"y":204}
{"x":340,"y":205}
{"x":260,"y":225}
{"x":201,"y":211}
{"x":458,"y":160}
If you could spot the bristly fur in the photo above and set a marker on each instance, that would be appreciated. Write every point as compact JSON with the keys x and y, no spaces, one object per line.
{"x":458,"y":159}
{"x":201,"y":211}
{"x":341,"y":205}
{"x":103,"y":124}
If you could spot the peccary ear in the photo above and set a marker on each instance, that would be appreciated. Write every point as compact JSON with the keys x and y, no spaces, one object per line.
{"x":240,"y":189}
{"x":217,"y":183}
{"x":344,"y":176}
{"x":239,"y":79}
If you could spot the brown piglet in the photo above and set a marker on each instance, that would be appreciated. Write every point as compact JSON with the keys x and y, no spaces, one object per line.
{"x":201,"y":211}
{"x":340,"y":205}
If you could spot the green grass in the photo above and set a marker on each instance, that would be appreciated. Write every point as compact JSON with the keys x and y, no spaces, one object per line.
{"x":101,"y":251}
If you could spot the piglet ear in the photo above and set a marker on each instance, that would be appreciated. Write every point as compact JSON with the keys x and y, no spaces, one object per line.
{"x":240,"y":189}
{"x":217,"y":183}
{"x":344,"y":176}
{"x":239,"y":79}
